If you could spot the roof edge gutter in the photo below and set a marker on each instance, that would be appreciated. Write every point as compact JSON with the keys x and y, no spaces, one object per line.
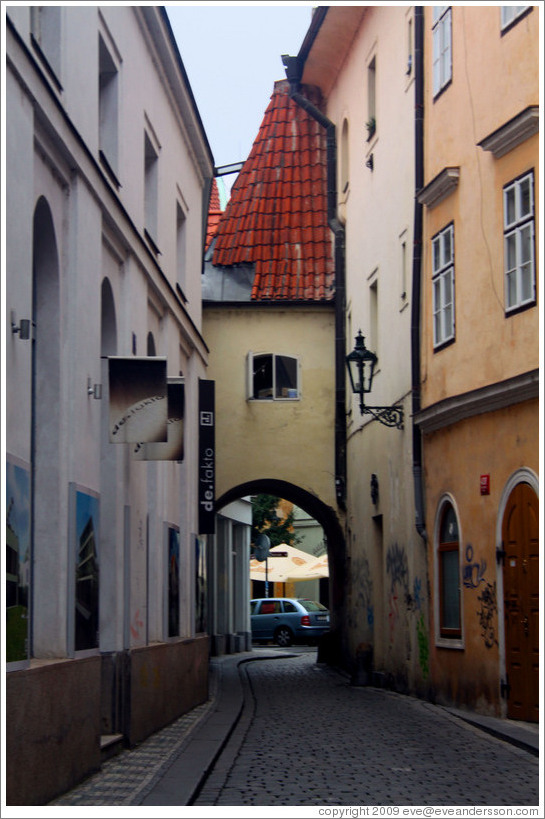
{"x":294,"y":70}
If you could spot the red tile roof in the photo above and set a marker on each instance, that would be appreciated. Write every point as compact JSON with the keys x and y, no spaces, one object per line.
{"x":214,"y":214}
{"x":276,"y":218}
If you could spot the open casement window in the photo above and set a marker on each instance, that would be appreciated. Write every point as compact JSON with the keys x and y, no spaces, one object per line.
{"x":273,"y":377}
{"x":518,"y":227}
{"x":449,"y":574}
{"x":443,"y":287}
{"x":442,"y":47}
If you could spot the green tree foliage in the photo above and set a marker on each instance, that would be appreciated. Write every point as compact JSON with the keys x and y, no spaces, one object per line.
{"x":265,"y":519}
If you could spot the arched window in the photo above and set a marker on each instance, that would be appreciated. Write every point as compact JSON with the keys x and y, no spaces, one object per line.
{"x":449,"y":574}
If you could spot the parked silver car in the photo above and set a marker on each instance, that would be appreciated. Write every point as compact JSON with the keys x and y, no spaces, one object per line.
{"x":287,"y":620}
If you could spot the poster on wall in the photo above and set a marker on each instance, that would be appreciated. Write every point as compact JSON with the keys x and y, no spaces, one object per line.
{"x":138,"y":399}
{"x":86,"y":505}
{"x":173,"y":582}
{"x":200,"y":584}
{"x":207,"y":458}
{"x":173,"y":449}
{"x":17,"y":559}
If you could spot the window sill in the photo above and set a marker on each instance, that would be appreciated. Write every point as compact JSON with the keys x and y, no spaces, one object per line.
{"x":508,"y":26}
{"x":519,"y":308}
{"x":442,"y":90}
{"x":46,"y":64}
{"x":151,"y":243}
{"x":447,"y":642}
{"x":444,"y":344}
{"x":271,"y":400}
{"x":108,"y":169}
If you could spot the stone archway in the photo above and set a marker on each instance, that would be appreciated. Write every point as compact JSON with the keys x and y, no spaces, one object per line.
{"x":327,"y":517}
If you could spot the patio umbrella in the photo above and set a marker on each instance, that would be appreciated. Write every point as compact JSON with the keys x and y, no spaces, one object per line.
{"x":313,"y":571}
{"x":280,"y":568}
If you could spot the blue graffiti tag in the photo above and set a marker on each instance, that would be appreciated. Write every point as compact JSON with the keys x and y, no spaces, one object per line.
{"x":473,"y":573}
{"x":396,"y":566}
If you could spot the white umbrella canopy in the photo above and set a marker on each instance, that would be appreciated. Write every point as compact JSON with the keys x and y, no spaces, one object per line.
{"x":314,"y":571}
{"x":281,"y":568}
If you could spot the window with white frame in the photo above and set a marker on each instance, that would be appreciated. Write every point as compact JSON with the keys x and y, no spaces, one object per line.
{"x":443,"y":286}
{"x":511,"y":13}
{"x":273,"y":377}
{"x":518,"y":228}
{"x":442,"y":47}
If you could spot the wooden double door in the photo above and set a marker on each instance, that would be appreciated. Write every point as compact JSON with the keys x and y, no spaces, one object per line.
{"x":520,"y":535}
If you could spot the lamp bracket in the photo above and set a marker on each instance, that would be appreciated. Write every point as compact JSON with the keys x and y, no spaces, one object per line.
{"x":24,"y":328}
{"x":94,"y":389}
{"x":389,"y":416}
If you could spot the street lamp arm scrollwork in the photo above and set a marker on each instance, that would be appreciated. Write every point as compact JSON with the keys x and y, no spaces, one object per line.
{"x":361,"y":364}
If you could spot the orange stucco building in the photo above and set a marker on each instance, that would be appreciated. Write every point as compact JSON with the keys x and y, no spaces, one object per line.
{"x":479,"y":414}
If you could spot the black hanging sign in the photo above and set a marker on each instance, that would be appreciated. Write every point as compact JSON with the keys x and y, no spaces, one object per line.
{"x":207,"y":458}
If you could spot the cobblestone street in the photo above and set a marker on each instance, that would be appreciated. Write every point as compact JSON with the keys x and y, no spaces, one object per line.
{"x":307,"y":737}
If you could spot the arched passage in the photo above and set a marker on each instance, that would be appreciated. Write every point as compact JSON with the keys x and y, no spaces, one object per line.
{"x":333,"y":531}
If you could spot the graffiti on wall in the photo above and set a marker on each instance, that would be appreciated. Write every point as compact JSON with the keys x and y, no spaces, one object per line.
{"x":363,"y":589}
{"x":405,"y":600}
{"x":396,"y":567}
{"x":474,"y":571}
{"x":486,"y":614}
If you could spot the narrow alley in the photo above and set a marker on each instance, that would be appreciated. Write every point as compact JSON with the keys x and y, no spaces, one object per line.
{"x":286,"y":730}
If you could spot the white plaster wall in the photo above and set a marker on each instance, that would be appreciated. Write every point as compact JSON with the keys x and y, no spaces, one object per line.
{"x":95,"y":239}
{"x":379,"y":215}
{"x":18,"y":220}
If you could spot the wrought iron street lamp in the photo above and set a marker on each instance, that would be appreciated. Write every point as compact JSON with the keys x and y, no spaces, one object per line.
{"x":361,"y":364}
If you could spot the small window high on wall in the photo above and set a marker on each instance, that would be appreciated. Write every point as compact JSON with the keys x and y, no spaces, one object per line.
{"x":273,"y":377}
{"x":442,"y":47}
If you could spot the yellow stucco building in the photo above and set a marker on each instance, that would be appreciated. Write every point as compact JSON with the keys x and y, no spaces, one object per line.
{"x":479,"y":412}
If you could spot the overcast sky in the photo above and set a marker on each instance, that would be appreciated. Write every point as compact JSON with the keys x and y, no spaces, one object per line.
{"x":232,"y":56}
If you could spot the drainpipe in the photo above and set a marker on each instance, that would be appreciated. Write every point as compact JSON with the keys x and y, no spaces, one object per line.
{"x":417,"y":270}
{"x":294,"y":68}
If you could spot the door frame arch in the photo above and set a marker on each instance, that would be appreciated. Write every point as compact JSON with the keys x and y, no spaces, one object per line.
{"x":522,"y":475}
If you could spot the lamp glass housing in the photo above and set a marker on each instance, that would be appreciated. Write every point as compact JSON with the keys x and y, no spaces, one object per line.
{"x":361,"y":366}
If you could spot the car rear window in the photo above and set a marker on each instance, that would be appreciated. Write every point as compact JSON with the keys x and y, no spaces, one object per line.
{"x":270,"y":607}
{"x":312,"y":605}
{"x":288,"y":606}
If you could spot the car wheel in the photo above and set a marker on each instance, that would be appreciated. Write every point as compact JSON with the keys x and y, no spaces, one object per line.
{"x":283,"y":637}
